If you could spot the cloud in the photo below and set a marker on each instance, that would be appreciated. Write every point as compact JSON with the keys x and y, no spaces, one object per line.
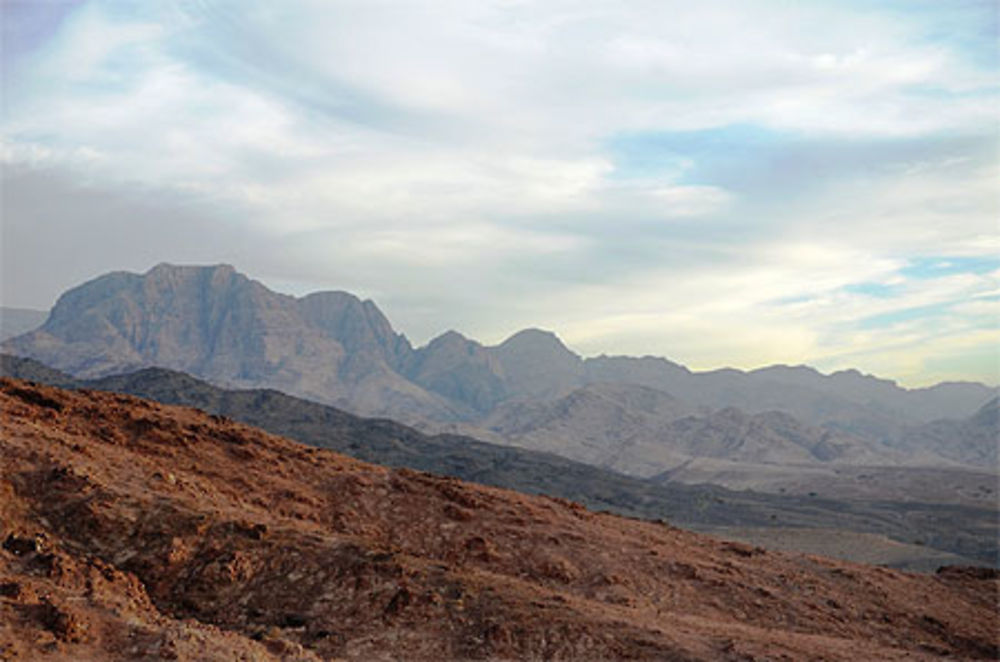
{"x":723,"y":183}
{"x":830,"y":306}
{"x":58,"y":232}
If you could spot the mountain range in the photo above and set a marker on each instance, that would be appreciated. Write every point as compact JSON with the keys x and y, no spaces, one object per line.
{"x":875,"y":530}
{"x":643,"y":416}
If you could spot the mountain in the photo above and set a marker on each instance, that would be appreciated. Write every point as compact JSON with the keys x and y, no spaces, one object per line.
{"x":531,"y":364}
{"x":536,"y":364}
{"x":946,"y":461}
{"x":642,"y":431}
{"x":593,"y":424}
{"x":968,"y":529}
{"x":216,"y":323}
{"x":15,"y":321}
{"x":971,"y":441}
{"x":460,"y":370}
{"x":334,"y":348}
{"x":135,"y":530}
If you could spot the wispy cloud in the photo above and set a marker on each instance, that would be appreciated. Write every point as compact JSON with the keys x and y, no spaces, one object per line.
{"x":719,"y":182}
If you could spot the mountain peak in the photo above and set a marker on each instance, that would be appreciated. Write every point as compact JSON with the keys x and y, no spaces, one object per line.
{"x":166,"y":277}
{"x":534,"y":339}
{"x":782,"y":369}
{"x":536,"y":363}
{"x":358,"y":325}
{"x":168,"y":268}
{"x":334,"y":296}
{"x":855,"y":375}
{"x":449,"y":338}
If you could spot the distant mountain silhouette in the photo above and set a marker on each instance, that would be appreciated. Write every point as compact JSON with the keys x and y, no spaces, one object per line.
{"x":332,"y":347}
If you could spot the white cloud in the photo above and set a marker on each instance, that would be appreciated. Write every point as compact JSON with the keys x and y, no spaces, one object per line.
{"x":787,"y":304}
{"x":387,"y":146}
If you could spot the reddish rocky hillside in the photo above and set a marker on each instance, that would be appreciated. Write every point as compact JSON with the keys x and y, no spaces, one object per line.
{"x":133,"y":530}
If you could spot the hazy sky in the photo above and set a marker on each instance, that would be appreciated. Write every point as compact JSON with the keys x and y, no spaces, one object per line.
{"x":722,"y":183}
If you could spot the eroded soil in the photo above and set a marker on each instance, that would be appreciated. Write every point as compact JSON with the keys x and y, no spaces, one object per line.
{"x":133,"y":530}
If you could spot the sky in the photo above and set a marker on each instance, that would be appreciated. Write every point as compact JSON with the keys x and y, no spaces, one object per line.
{"x":723,"y":183}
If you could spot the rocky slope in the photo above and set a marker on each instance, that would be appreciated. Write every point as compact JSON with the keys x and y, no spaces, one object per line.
{"x":133,"y":530}
{"x":949,"y":529}
{"x":219,"y":325}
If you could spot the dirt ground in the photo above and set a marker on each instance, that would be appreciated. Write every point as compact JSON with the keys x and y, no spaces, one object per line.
{"x":137,"y":531}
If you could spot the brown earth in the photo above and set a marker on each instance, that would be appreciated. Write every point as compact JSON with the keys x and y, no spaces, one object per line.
{"x":137,"y":531}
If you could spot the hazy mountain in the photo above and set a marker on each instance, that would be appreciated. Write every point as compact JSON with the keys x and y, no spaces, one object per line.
{"x":946,"y":461}
{"x":218,"y":324}
{"x":642,"y":431}
{"x":331,"y":347}
{"x":972,"y":441}
{"x":15,"y":321}
{"x":771,"y":437}
{"x":948,"y":399}
{"x":595,"y":424}
{"x":459,"y":369}
{"x":536,"y":364}
{"x":531,"y":364}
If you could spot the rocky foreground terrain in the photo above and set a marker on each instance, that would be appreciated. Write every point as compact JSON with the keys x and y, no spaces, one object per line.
{"x":134,"y":530}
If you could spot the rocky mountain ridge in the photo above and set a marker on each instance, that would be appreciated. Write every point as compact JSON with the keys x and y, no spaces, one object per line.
{"x":133,"y":530}
{"x":642,"y":431}
{"x":219,"y":325}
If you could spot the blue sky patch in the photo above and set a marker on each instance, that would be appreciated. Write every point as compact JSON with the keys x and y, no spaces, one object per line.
{"x":905,"y":315}
{"x":763,"y":163}
{"x":877,"y":290}
{"x":942,"y":265}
